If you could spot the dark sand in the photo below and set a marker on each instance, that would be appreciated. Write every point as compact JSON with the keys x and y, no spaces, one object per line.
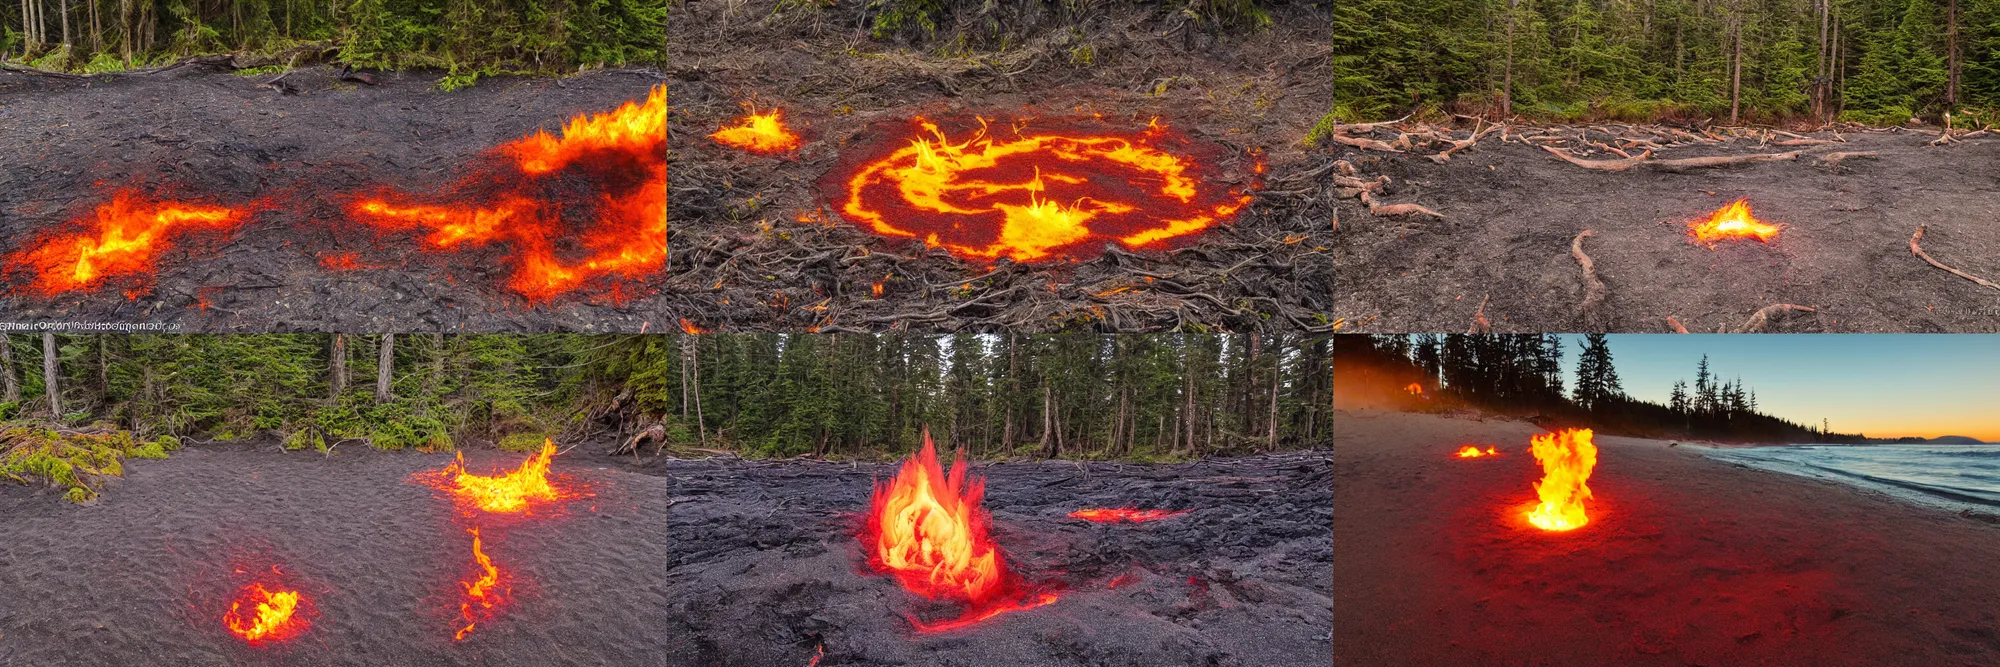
{"x":767,"y":567}
{"x":203,"y":134}
{"x":1685,"y":561}
{"x":1511,"y":212}
{"x":143,"y":577}
{"x":736,"y":217}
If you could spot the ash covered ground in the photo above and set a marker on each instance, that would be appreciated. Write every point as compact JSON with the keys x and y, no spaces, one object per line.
{"x":200,"y":132}
{"x":767,"y":569}
{"x":144,"y":576}
{"x":754,"y":237}
{"x":1511,"y":212}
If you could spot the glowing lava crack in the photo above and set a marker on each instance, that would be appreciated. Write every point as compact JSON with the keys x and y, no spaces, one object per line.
{"x":122,"y":237}
{"x":623,"y":151}
{"x":1038,"y":194}
{"x":929,"y":532}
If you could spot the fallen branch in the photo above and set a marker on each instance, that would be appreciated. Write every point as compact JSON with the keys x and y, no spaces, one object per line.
{"x":1763,"y":316}
{"x":1365,"y":143}
{"x":1381,"y":209}
{"x":1836,"y":157}
{"x":1802,"y":142}
{"x":1600,"y":165}
{"x":1480,"y":325}
{"x":1593,"y":288}
{"x":1461,"y":144}
{"x":1919,"y":251}
{"x":1721,"y":161}
{"x":1368,"y":127}
{"x":1676,"y":324}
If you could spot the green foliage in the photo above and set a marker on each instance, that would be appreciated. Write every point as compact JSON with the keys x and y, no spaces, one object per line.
{"x":1323,"y":130}
{"x":69,"y":460}
{"x":523,"y":442}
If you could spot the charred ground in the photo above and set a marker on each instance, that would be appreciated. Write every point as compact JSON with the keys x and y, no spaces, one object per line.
{"x":198,"y":131}
{"x":749,"y":235}
{"x":767,"y":568}
{"x":1511,"y":212}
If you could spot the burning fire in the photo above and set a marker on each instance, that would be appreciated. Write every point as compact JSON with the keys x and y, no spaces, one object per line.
{"x":260,"y":615}
{"x":1566,"y":457}
{"x":124,"y":236}
{"x":1732,"y":222}
{"x":1415,"y":389}
{"x":1470,"y":451}
{"x":759,"y":133}
{"x":483,"y":594}
{"x":1124,"y":514}
{"x":929,"y":532}
{"x":510,"y":493}
{"x":623,"y":151}
{"x":1036,"y":196}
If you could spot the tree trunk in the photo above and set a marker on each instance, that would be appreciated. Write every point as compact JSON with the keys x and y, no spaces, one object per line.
{"x":1051,"y":440}
{"x":337,"y":366}
{"x":691,"y":348}
{"x":50,"y":373}
{"x":385,"y":368}
{"x":1950,"y":55}
{"x":1187,"y":412}
{"x":125,"y":29}
{"x":1736,"y":67}
{"x":10,"y":384}
{"x":64,"y":8}
{"x":103,"y":370}
{"x":1507,"y":79}
{"x":1271,"y":423}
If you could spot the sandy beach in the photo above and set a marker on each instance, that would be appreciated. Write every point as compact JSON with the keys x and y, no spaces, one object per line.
{"x":1685,"y":561}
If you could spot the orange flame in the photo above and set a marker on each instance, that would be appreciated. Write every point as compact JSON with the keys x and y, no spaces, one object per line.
{"x":624,"y":149}
{"x":689,"y":327}
{"x":1037,"y":196}
{"x":124,"y":236}
{"x":759,"y":133}
{"x":270,"y":616}
{"x":929,"y":532}
{"x":1415,"y":389}
{"x":1732,"y":222}
{"x":483,"y":594}
{"x":510,"y":493}
{"x":1567,"y":458}
{"x":1124,"y":514}
{"x":1470,"y":451}
{"x":879,"y":285}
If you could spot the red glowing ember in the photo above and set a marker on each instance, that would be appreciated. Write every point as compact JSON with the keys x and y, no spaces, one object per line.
{"x":1469,"y":451}
{"x":483,"y":592}
{"x":1124,"y":514}
{"x":624,"y":151}
{"x":929,"y":532}
{"x":122,"y":237}
{"x":1567,"y":458}
{"x":512,"y":492}
{"x":759,"y":133}
{"x":1732,"y":222}
{"x":1036,"y":194}
{"x":260,"y":615}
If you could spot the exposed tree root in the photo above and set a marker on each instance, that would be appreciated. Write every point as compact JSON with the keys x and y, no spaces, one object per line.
{"x":1593,"y":288}
{"x":1481,"y":325}
{"x":1599,"y":165}
{"x":1676,"y":324}
{"x":1763,"y":316}
{"x":1381,"y":209}
{"x":1461,"y":144}
{"x":1365,"y":143}
{"x":1919,"y":251}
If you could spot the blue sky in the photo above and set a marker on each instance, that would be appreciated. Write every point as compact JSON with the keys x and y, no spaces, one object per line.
{"x":1883,"y":385}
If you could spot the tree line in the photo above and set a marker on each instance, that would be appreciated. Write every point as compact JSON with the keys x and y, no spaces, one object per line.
{"x":1073,"y":396}
{"x":465,"y":37}
{"x":1873,"y":61}
{"x":1523,"y":374}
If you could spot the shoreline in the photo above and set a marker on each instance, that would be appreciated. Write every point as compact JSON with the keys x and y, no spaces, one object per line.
{"x":1683,"y":563}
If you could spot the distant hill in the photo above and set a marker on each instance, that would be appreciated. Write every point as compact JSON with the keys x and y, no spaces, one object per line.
{"x":1955,"y":440}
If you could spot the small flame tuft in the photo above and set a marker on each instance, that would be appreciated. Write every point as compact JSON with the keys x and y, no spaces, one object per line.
{"x":514,"y":492}
{"x":759,"y":133}
{"x":1469,"y":452}
{"x":1732,"y":222}
{"x":1567,"y":458}
{"x":260,"y":615}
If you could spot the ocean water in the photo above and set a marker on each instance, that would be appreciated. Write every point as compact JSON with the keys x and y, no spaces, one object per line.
{"x":1953,"y":477}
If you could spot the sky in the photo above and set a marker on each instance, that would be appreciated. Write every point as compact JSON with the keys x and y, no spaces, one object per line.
{"x":1881,"y":385}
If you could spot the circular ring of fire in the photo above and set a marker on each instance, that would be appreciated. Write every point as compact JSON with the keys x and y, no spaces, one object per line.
{"x":1032,"y":190}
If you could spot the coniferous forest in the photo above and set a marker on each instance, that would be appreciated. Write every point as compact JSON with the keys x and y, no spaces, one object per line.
{"x":1874,"y":61}
{"x":1056,"y":396}
{"x":464,"y":37}
{"x":1523,"y":374}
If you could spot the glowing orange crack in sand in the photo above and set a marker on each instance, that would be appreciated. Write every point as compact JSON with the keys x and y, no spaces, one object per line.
{"x":124,"y":236}
{"x":982,"y":198}
{"x":271,"y":616}
{"x":483,"y":594}
{"x":1469,"y":451}
{"x":1124,"y":514}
